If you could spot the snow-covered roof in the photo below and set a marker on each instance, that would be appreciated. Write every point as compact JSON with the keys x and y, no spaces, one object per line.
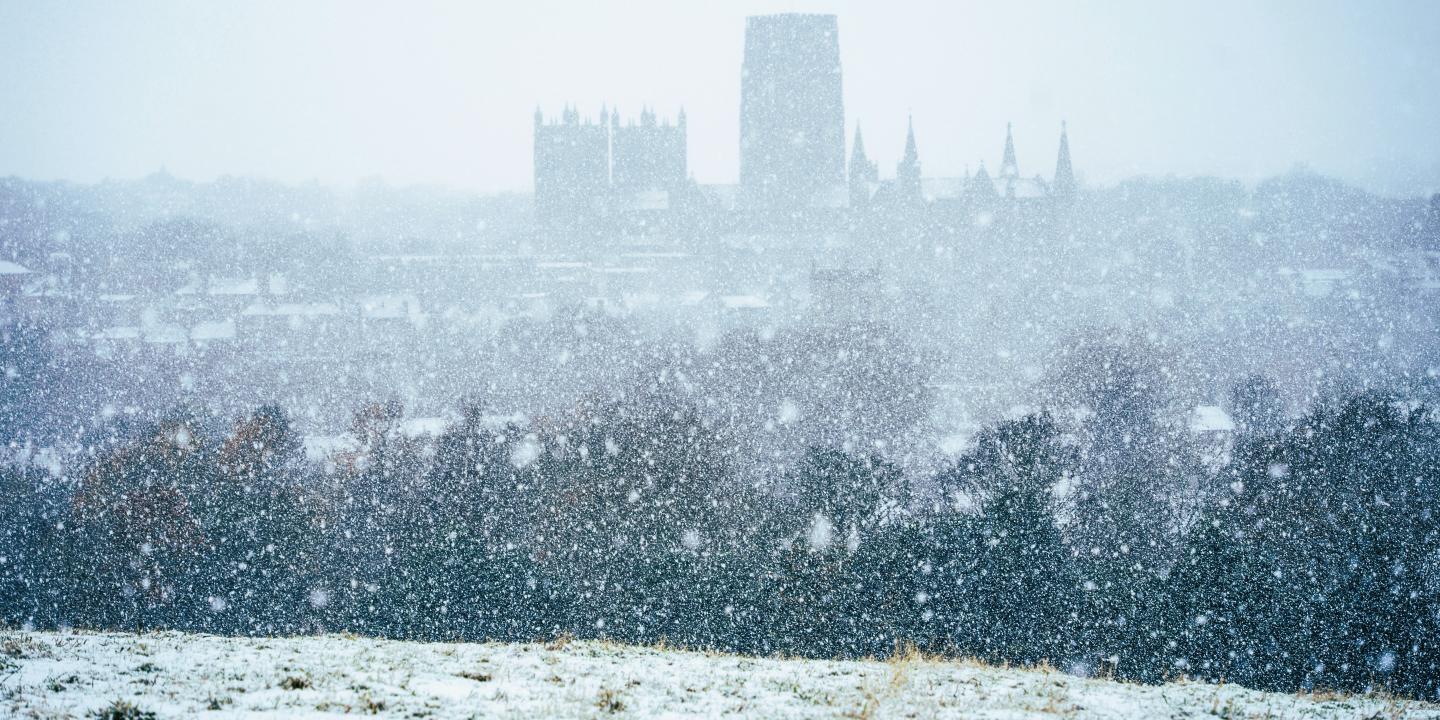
{"x":11,"y":268}
{"x":1211,"y":418}
{"x":1020,"y":187}
{"x":638,"y":300}
{"x":234,"y":286}
{"x":260,"y":309}
{"x":119,"y":332}
{"x":943,"y":187}
{"x":744,"y":302}
{"x":423,"y":426}
{"x":166,"y":334}
{"x":216,"y":330}
{"x":389,"y":307}
{"x":325,"y":447}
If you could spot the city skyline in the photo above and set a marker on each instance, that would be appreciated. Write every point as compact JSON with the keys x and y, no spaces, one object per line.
{"x":330,"y":93}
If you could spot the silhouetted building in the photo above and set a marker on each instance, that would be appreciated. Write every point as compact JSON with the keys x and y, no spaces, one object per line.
{"x":632,"y":179}
{"x":864,"y":173}
{"x":792,"y":116}
{"x":981,"y":186}
{"x":648,"y":155}
{"x":1063,"y":188}
{"x":1010,"y":185}
{"x":587,"y":170}
{"x":907,"y":172}
{"x":1009,"y":166}
{"x":846,"y":295}
{"x":572,"y":167}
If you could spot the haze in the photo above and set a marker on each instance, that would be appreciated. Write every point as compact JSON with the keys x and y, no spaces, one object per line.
{"x":443,"y":93}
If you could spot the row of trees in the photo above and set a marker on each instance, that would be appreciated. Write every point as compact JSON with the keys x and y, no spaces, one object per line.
{"x":1309,"y":558}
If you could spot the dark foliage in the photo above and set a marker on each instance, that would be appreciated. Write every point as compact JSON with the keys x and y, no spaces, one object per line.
{"x":1312,"y":561}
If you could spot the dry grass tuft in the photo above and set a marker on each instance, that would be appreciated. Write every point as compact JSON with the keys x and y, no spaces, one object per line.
{"x":295,"y":682}
{"x":610,"y":701}
{"x":123,"y":710}
{"x":560,"y":641}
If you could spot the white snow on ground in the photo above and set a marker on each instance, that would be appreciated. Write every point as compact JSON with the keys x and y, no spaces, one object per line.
{"x":47,"y":675}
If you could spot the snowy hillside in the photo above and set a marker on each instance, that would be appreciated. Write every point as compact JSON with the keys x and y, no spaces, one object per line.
{"x":47,"y":675}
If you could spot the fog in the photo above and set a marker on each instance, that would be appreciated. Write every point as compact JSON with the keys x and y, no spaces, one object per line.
{"x":440,"y":93}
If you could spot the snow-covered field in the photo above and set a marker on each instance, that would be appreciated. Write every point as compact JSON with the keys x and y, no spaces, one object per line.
{"x":45,"y":675}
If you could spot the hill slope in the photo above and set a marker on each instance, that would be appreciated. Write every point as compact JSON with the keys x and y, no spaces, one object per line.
{"x":179,"y":675}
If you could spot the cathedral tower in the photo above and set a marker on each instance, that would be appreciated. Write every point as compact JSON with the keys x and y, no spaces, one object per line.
{"x":572,"y":167}
{"x":792,"y":117}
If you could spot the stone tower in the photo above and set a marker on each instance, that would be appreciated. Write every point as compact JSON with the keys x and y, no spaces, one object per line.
{"x":792,"y":117}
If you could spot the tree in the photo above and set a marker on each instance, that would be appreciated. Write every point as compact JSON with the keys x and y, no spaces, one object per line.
{"x":1254,"y":404}
{"x":26,"y":374}
{"x":1023,"y":588}
{"x":136,"y":542}
{"x":1137,"y":477}
{"x":259,"y":516}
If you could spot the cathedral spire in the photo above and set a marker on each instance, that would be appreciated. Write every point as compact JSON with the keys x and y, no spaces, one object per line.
{"x":912,"y":156}
{"x":864,"y":174}
{"x":1064,"y":186}
{"x":1009,"y":168}
{"x":907,"y":173}
{"x":857,"y":152}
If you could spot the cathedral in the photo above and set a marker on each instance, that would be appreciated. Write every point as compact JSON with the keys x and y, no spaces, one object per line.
{"x":600,"y":174}
{"x":792,"y":117}
{"x":908,"y":190}
{"x":588,"y":169}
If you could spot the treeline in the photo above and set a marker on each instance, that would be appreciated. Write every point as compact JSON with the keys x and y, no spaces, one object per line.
{"x":1306,"y":556}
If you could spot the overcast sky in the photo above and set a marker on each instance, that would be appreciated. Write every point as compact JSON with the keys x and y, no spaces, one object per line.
{"x":443,"y":93}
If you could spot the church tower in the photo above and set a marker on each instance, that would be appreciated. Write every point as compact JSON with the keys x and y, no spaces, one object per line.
{"x":572,"y":167}
{"x":792,"y":118}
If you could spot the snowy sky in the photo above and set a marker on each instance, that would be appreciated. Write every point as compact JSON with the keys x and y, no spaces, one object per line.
{"x":443,"y":93}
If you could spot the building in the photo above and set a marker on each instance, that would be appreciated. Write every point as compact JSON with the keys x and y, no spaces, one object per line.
{"x":980,"y":191}
{"x":907,"y":172}
{"x":631,"y":180}
{"x":864,"y":173}
{"x":845,"y":296}
{"x":792,"y":116}
{"x":572,"y":167}
{"x":648,"y":155}
{"x":1010,"y":185}
{"x":586,"y":170}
